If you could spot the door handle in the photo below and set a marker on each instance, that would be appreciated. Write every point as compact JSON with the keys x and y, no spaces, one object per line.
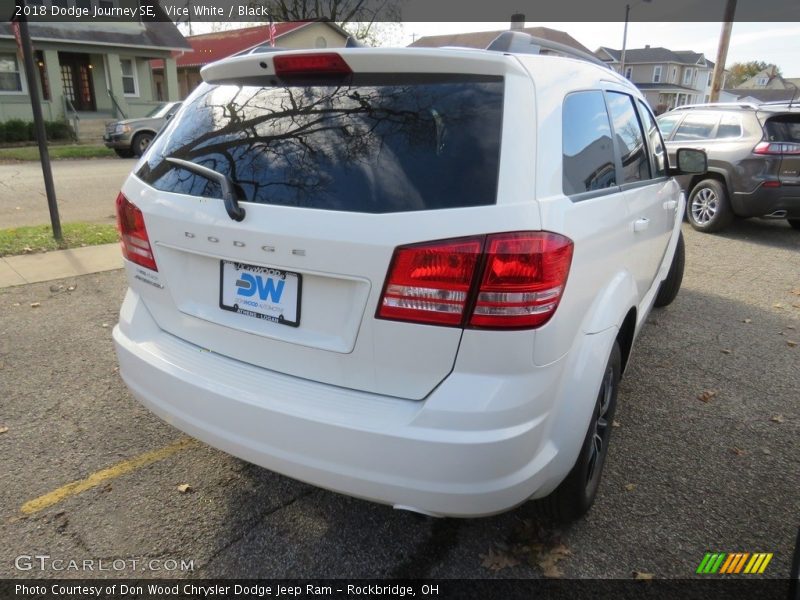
{"x":670,"y":204}
{"x":641,"y":224}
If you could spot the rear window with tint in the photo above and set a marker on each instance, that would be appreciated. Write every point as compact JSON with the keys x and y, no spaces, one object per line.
{"x":374,"y":144}
{"x":784,"y":128}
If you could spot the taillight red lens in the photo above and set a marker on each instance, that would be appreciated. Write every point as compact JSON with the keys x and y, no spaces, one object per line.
{"x":430,"y":283}
{"x":522,"y":278}
{"x":318,"y":63}
{"x":778,"y":148}
{"x":133,"y":234}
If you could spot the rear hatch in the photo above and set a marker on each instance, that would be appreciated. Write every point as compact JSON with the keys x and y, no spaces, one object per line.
{"x":782,"y":138}
{"x":334,"y":169}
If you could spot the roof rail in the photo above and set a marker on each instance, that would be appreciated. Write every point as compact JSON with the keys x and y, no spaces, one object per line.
{"x":524,"y":43}
{"x":720,"y":105}
{"x":789,"y":103}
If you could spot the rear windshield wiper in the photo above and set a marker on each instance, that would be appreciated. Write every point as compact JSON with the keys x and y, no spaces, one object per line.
{"x":235,"y":211}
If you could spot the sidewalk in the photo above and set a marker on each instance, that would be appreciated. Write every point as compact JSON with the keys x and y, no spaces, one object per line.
{"x":34,"y":268}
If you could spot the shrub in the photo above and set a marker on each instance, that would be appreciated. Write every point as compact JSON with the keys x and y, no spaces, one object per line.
{"x":58,"y":130}
{"x":17,"y":130}
{"x":2,"y":132}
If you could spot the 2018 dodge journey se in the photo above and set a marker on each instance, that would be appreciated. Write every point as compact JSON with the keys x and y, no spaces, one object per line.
{"x":409,"y":275}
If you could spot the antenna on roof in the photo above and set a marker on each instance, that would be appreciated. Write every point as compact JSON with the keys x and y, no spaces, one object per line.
{"x":523,"y":43}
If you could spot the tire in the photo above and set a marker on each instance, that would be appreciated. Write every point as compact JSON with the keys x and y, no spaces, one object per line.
{"x":124,"y":153}
{"x":576,"y":494}
{"x":140,"y":143}
{"x":672,"y":283}
{"x":795,"y":223}
{"x":708,"y":209}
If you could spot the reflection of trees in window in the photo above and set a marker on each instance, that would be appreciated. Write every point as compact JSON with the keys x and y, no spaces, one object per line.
{"x":383,"y":147}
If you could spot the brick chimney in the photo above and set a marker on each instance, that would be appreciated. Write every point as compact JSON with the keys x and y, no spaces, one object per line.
{"x":517,"y":22}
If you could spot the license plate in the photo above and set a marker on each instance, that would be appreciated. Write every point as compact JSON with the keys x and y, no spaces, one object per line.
{"x":260,"y":292}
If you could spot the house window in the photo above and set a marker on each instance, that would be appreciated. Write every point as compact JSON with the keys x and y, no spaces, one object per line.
{"x":762,"y":81}
{"x":687,"y":76}
{"x":657,"y":74}
{"x":674,"y":77}
{"x":628,"y":71}
{"x":10,"y":74}
{"x":710,"y":78}
{"x":130,"y":84}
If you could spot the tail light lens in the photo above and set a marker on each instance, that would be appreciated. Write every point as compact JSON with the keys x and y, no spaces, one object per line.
{"x":778,"y":148}
{"x":500,"y":281}
{"x":523,"y":279}
{"x":318,"y":63}
{"x":133,"y":234}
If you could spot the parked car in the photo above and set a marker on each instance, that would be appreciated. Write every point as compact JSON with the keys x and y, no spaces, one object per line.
{"x":413,"y":276}
{"x":753,"y":161}
{"x":131,"y":137}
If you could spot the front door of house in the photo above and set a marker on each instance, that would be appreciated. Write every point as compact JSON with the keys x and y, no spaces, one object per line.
{"x":76,"y":78}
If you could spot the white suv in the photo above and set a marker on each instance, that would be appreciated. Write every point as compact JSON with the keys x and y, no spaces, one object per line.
{"x":408,"y":275}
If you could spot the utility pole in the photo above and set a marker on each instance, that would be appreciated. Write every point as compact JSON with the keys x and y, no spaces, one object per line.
{"x":722,"y":51}
{"x":38,"y":121}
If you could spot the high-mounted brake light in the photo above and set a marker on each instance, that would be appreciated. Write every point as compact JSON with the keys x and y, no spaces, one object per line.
{"x":500,"y":281}
{"x":133,"y":234}
{"x":318,"y":63}
{"x":778,"y":148}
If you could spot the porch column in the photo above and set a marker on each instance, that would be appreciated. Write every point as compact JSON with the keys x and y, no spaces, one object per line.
{"x":115,"y":81}
{"x":171,"y":92}
{"x":53,"y":74}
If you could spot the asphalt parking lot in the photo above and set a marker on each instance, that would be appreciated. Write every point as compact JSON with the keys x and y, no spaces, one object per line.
{"x":685,"y":475}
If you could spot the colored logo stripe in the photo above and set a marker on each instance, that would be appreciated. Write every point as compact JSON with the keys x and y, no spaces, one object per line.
{"x":734,"y":563}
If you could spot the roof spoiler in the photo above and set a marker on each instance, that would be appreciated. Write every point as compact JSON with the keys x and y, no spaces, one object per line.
{"x":524,"y":43}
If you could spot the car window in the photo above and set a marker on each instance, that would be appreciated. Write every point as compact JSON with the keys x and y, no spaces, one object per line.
{"x":656,"y":143}
{"x":666,"y":123}
{"x":784,"y":128}
{"x":375,"y":143}
{"x":696,"y":127}
{"x":730,"y":126}
{"x":588,"y":154}
{"x":629,"y":137}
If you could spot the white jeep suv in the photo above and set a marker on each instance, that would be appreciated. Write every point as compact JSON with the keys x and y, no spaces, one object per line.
{"x":408,"y":275}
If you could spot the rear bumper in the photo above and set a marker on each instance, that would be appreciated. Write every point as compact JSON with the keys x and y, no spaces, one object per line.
{"x":398,"y":452}
{"x":765,"y":201}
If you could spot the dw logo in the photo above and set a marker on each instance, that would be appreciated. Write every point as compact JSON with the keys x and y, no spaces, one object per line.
{"x":248,"y":285}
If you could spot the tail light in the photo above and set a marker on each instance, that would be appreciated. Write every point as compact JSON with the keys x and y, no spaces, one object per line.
{"x":779,"y":148}
{"x":500,"y":281}
{"x":133,"y":234}
{"x":318,"y":63}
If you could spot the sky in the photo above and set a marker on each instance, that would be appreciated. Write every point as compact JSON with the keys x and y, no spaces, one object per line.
{"x":774,"y":43}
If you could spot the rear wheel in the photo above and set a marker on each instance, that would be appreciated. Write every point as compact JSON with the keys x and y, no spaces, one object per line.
{"x":795,"y":223}
{"x":576,"y":494}
{"x":141,"y":142}
{"x":708,"y":209}
{"x":672,"y":283}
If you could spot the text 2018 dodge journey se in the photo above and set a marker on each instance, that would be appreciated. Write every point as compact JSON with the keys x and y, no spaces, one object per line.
{"x":408,"y":275}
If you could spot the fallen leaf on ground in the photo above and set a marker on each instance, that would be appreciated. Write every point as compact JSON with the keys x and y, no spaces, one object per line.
{"x":707,"y":395}
{"x":778,"y":419}
{"x":184,"y":488}
{"x":796,"y":305}
{"x":548,"y":562}
{"x":35,"y":304}
{"x":3,"y":429}
{"x":496,"y":561}
{"x":642,"y":576}
{"x":747,"y":321}
{"x":738,"y":451}
{"x":796,"y":292}
{"x":725,"y":351}
{"x":792,"y":327}
{"x":791,"y":343}
{"x":615,"y":423}
{"x":630,"y":487}
{"x":72,"y":288}
{"x":777,"y":305}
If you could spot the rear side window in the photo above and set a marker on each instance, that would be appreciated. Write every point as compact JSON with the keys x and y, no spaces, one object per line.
{"x":588,"y":154}
{"x":372,"y":143}
{"x":697,"y":127}
{"x":667,"y":123}
{"x":730,"y":126}
{"x":629,"y":138}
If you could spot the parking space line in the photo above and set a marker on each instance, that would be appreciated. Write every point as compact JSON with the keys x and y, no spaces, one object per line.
{"x":98,"y":477}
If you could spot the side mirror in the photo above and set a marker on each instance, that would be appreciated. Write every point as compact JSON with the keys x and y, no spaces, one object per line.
{"x":690,"y":161}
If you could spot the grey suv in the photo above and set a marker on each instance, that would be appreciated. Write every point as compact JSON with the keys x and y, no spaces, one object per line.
{"x":753,"y":161}
{"x":131,"y":137}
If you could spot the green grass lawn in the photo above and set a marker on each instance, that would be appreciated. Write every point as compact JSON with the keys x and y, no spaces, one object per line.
{"x":56,"y":152}
{"x":39,"y":238}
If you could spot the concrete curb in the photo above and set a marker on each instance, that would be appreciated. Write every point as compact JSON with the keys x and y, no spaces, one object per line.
{"x":35,"y":268}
